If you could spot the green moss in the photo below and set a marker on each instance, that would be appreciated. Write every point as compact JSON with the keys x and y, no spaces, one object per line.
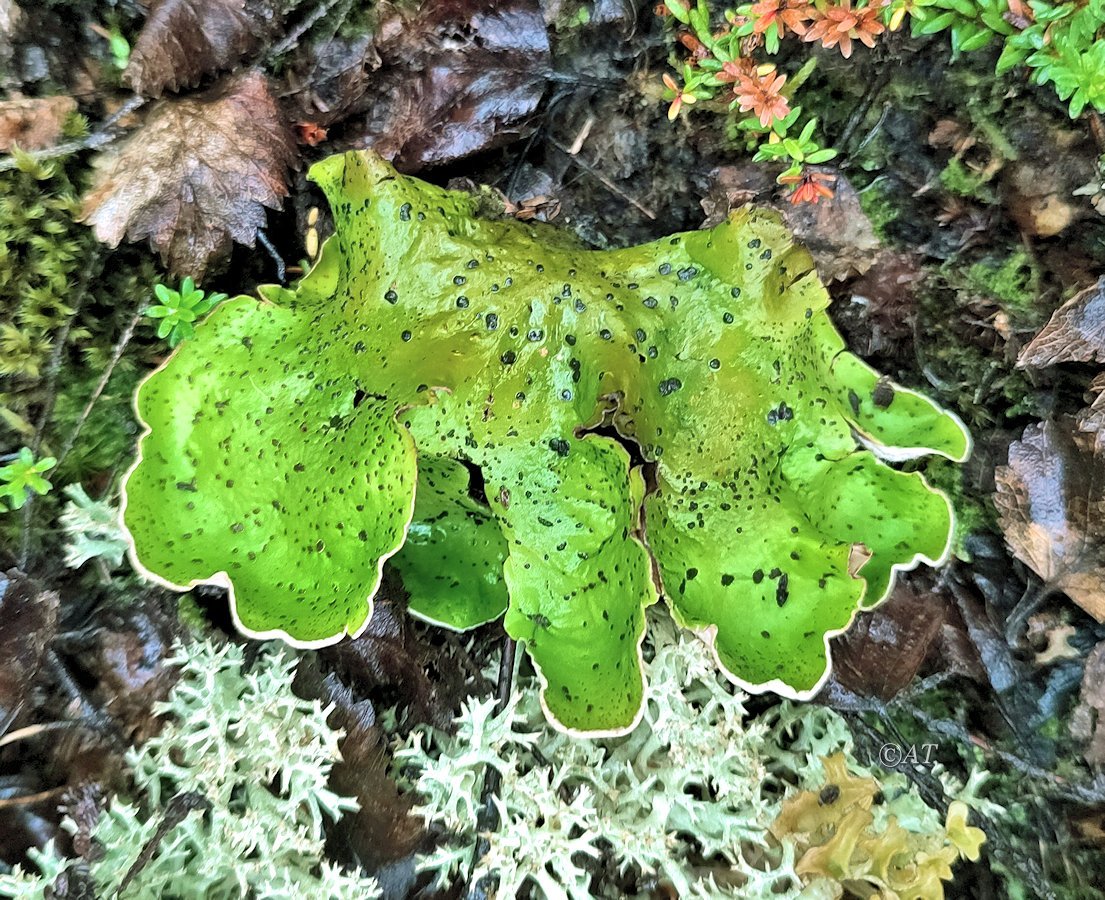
{"x":53,"y":272}
{"x":959,"y":179}
{"x":972,"y":513}
{"x":1013,"y":281}
{"x":40,"y":260}
{"x":880,"y":207}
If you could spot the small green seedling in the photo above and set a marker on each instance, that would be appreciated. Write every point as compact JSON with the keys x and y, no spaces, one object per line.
{"x":444,"y":391}
{"x":178,"y":311}
{"x":22,"y":476}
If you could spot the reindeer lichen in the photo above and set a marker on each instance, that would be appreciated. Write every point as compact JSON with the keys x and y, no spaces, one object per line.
{"x":502,"y":373}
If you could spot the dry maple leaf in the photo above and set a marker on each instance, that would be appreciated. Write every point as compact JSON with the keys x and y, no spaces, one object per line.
{"x":1075,"y":332}
{"x":183,"y":40}
{"x":1051,"y":504}
{"x":196,"y":176}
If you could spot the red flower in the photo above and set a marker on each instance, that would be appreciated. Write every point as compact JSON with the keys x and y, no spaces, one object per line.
{"x":810,"y":187}
{"x":839,"y":25}
{"x":310,"y":133}
{"x":734,"y":71}
{"x":760,"y":94}
{"x":792,"y":14}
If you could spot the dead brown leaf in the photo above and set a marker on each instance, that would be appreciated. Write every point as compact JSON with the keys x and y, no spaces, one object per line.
{"x":1092,"y":419}
{"x":127,"y":660}
{"x":1088,"y":719}
{"x":1075,"y":332}
{"x":1051,"y":504}
{"x":196,"y":176}
{"x":907,"y":635}
{"x":392,"y":655}
{"x":28,"y":620}
{"x":183,"y":40}
{"x":382,"y":830}
{"x":448,"y":79}
{"x":33,"y":124}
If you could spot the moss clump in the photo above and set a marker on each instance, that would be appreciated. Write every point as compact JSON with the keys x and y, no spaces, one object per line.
{"x":57,"y":284}
{"x":1013,"y":281}
{"x":881,"y":207}
{"x":40,"y":260}
{"x":959,"y":179}
{"x":972,"y":513}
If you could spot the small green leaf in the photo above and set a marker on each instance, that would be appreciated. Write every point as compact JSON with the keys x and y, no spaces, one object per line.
{"x":821,"y":156}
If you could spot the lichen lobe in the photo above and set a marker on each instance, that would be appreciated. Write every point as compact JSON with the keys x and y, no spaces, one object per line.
{"x":491,"y":347}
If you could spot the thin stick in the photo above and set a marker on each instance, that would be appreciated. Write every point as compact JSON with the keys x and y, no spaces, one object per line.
{"x":52,"y":369}
{"x":292,"y":39}
{"x":860,"y":112}
{"x":603,"y":180}
{"x":116,"y":355}
{"x":30,"y":731}
{"x":281,"y":268}
{"x":29,"y":799}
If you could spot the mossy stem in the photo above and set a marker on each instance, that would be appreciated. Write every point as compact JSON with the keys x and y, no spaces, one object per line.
{"x":488,"y":819}
{"x":116,"y":355}
{"x":52,"y":369}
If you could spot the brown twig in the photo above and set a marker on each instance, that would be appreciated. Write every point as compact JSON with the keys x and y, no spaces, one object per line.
{"x":116,"y":355}
{"x":52,"y":369}
{"x":603,"y":180}
{"x":861,"y":110}
{"x":30,"y":799}
{"x":291,"y":41}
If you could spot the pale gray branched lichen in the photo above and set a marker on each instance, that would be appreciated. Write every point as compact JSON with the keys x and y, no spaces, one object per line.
{"x":260,"y":756}
{"x":698,"y":779}
{"x":92,"y":528}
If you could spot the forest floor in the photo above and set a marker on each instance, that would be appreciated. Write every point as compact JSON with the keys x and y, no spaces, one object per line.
{"x":954,"y":235}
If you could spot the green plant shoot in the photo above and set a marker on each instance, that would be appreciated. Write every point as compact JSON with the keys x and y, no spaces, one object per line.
{"x":178,"y":311}
{"x":23,"y":476}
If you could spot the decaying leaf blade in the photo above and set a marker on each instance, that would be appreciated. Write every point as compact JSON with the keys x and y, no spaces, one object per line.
{"x":183,"y":40}
{"x":1075,"y":332}
{"x":196,"y":176}
{"x":1051,"y":504}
